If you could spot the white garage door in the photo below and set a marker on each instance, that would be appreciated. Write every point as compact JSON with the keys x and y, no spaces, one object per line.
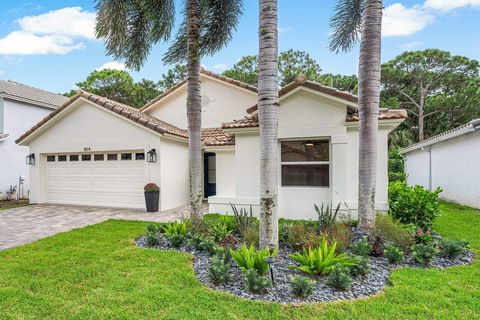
{"x":112,"y":179}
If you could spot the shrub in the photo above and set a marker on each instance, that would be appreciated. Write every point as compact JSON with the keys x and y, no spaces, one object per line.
{"x":152,"y":235}
{"x":396,"y":166}
{"x":327,"y":218}
{"x":243,"y":219}
{"x":302,"y":286}
{"x":228,"y":221}
{"x":151,"y":187}
{"x":250,"y":235}
{"x":340,"y":278}
{"x":390,"y":230}
{"x":249,"y":258}
{"x":203,"y":243}
{"x":300,"y":236}
{"x":377,"y":243}
{"x":452,"y":248}
{"x":423,"y":253}
{"x":424,"y":237}
{"x":218,"y":271}
{"x":220,"y":231}
{"x":321,"y":260}
{"x":393,"y":253}
{"x":414,"y":205}
{"x":361,"y":266}
{"x":254,"y":282}
{"x":176,"y":240}
{"x":361,"y":248}
{"x":222,"y":253}
{"x":342,"y":233}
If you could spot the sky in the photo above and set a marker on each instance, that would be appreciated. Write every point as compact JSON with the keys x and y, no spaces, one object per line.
{"x":51,"y":44}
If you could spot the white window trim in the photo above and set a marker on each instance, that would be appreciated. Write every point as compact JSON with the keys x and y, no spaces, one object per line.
{"x":329,"y":162}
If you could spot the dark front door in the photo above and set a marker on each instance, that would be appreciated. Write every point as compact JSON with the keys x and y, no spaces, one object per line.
{"x":210,"y":175}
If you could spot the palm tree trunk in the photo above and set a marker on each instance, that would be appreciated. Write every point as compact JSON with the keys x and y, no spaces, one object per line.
{"x":368,"y":105}
{"x":194,"y":109}
{"x":268,"y":119}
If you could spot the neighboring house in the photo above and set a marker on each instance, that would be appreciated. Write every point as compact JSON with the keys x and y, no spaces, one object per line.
{"x":21,"y":107}
{"x":93,"y":151}
{"x":450,"y":161}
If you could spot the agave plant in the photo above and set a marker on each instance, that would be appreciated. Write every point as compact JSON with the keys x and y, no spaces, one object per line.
{"x":175,"y":228}
{"x":249,"y":258}
{"x":321,"y":260}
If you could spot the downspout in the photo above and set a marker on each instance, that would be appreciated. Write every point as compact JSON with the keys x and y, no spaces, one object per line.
{"x":429,"y":150}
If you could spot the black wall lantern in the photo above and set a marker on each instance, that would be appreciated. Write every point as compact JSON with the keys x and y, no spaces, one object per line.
{"x":152,"y":156}
{"x":30,"y":160}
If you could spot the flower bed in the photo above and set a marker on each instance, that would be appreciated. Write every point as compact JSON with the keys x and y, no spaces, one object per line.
{"x":212,"y":244}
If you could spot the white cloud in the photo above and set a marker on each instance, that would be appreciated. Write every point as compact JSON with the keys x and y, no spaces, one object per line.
{"x":24,"y":43}
{"x":401,"y":21}
{"x":410,"y":45}
{"x":112,"y":65}
{"x":446,"y":5}
{"x":282,"y":30}
{"x":220,"y":67}
{"x":54,"y":32}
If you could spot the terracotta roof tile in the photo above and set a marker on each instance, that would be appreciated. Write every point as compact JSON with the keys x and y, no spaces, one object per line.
{"x":249,"y":121}
{"x":384,"y":114}
{"x":125,"y":111}
{"x":217,"y":137}
{"x":302,"y":81}
{"x":207,"y":73}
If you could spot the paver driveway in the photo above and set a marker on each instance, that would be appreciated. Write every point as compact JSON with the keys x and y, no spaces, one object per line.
{"x":27,"y":224}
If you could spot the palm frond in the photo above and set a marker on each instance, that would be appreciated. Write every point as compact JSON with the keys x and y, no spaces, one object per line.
{"x":346,"y":23}
{"x":218,"y":21}
{"x":131,"y":28}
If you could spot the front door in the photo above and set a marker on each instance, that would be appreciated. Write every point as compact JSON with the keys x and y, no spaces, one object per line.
{"x":210,"y":175}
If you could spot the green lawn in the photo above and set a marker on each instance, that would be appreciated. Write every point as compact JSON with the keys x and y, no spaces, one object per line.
{"x":97,"y":273}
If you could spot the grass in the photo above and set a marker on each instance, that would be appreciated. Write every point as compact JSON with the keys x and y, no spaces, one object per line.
{"x":97,"y":273}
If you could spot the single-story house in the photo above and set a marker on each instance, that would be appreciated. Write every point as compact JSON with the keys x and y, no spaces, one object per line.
{"x":21,"y":106}
{"x":94,"y":151}
{"x":450,"y":161}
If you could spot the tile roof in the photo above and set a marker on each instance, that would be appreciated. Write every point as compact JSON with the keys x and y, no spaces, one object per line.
{"x":125,"y":111}
{"x":207,"y":73}
{"x":217,"y":137}
{"x":302,"y":81}
{"x":249,"y":121}
{"x":384,"y":114}
{"x":17,"y":91}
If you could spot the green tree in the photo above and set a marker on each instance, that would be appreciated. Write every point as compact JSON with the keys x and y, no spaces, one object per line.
{"x":173,"y":76}
{"x":339,"y":81}
{"x":245,"y":70}
{"x":131,"y":28}
{"x":432,"y":84}
{"x":364,"y":17}
{"x":292,"y":63}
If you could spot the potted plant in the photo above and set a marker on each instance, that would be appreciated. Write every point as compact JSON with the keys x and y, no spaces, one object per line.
{"x":152,"y":195}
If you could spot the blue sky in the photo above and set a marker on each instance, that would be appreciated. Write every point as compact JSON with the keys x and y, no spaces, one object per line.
{"x":50,"y":45}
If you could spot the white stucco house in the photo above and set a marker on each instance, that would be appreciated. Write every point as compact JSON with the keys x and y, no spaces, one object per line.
{"x":94,"y":151}
{"x":451,"y":161}
{"x":21,"y":107}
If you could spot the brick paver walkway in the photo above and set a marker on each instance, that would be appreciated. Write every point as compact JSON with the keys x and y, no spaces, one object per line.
{"x":27,"y":224}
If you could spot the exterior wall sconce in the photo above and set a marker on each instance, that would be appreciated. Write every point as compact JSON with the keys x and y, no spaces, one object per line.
{"x":30,"y":159}
{"x":152,"y":156}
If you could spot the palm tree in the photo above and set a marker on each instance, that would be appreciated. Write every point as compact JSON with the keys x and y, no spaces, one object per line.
{"x":268,"y":119}
{"x":352,"y":16}
{"x":131,"y":28}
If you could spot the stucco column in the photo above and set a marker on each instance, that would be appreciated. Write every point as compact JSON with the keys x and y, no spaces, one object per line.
{"x":338,"y":170}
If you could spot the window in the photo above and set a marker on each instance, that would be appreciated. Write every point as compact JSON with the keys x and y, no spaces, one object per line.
{"x":74,"y":157}
{"x":126,"y":156}
{"x":50,"y":158}
{"x":305,"y":163}
{"x":112,"y":156}
{"x":86,"y":157}
{"x":62,"y":158}
{"x":98,"y":157}
{"x":139,"y":156}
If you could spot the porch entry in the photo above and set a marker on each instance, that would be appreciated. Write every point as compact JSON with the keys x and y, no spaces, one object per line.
{"x":209,"y":175}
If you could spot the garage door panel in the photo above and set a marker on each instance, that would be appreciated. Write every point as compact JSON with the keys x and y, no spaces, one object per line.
{"x":98,"y":183}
